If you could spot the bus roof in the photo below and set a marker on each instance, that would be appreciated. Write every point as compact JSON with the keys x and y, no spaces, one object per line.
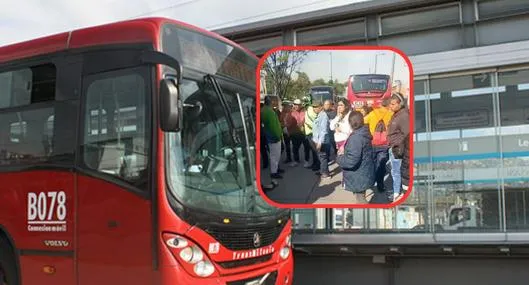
{"x":369,"y":74}
{"x":130,"y":31}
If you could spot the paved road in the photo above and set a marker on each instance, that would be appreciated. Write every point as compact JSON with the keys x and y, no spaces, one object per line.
{"x":302,"y":186}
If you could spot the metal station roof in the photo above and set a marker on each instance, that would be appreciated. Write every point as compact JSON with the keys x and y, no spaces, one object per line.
{"x":329,"y":14}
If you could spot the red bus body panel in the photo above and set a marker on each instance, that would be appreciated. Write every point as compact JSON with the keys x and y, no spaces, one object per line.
{"x":108,"y":228}
{"x":133,"y":31}
{"x":35,"y":47}
{"x":14,"y":218}
{"x":31,"y":270}
{"x":114,"y":234}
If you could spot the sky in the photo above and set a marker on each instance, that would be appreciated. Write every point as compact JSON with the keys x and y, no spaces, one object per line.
{"x":348,"y":62}
{"x":27,"y":19}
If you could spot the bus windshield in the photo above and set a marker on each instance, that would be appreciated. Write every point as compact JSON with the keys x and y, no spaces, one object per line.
{"x":322,"y":93}
{"x":370,"y":83}
{"x":211,"y":161}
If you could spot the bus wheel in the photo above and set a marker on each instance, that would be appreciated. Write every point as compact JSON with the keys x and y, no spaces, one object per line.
{"x":8,"y":270}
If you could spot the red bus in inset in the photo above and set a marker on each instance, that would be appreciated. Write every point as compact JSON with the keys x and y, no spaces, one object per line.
{"x":368,"y":89}
{"x":127,"y":156}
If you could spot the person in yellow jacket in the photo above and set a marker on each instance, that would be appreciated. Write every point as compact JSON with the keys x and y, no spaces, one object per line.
{"x":378,"y":122}
{"x":310,"y":116}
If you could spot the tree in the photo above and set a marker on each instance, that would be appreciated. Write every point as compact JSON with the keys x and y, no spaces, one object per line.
{"x":269,"y":85}
{"x":300,"y":86}
{"x":279,"y":68}
{"x":319,"y":82}
{"x":339,"y":88}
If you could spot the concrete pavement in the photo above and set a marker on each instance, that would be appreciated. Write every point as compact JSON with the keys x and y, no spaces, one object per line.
{"x":302,"y":186}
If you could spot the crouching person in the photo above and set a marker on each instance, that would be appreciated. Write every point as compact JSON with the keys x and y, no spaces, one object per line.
{"x":356,"y":160}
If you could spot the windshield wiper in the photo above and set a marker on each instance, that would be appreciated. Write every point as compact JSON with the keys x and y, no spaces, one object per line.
{"x":252,"y":203}
{"x":229,"y":119}
{"x":225,"y":107}
{"x":246,"y":135}
{"x":251,"y":206}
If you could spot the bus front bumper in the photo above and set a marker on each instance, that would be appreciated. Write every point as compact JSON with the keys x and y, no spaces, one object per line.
{"x":277,"y":274}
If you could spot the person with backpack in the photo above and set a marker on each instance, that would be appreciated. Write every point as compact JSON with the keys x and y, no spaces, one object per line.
{"x":378,"y":121}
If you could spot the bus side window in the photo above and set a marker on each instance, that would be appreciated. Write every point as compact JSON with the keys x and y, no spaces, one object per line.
{"x":25,"y":136}
{"x":47,"y":137}
{"x":116,"y":129}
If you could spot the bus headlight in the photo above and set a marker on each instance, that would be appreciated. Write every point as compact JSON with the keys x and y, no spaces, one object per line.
{"x":177,"y":242}
{"x":189,"y":255}
{"x":204,"y":268}
{"x":284,"y":252}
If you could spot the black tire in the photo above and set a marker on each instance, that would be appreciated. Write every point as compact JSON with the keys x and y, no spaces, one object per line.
{"x":8,"y":266}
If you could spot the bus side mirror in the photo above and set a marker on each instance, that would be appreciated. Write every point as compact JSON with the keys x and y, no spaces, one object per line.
{"x":170,"y":106}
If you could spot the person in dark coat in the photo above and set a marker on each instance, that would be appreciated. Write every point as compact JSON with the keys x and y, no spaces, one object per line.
{"x":356,"y":160}
{"x":398,"y":129}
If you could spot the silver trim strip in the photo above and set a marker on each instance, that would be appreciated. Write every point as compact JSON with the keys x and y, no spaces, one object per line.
{"x":301,"y":239}
{"x":471,"y":58}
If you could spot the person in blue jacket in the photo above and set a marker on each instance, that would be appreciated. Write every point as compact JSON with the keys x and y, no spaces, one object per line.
{"x":356,"y":160}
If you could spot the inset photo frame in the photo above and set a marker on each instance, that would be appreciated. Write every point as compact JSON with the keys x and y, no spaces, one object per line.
{"x":334,"y":127}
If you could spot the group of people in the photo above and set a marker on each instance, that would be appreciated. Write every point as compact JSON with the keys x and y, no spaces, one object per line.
{"x":360,"y":142}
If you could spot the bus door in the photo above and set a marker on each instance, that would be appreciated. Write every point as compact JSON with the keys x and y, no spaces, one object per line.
{"x":114,"y":228}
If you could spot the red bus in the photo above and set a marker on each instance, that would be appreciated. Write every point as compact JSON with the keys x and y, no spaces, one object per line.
{"x":127,"y":156}
{"x":368,"y":89}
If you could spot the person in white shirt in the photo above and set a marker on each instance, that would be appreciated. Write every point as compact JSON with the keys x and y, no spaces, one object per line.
{"x":340,"y":123}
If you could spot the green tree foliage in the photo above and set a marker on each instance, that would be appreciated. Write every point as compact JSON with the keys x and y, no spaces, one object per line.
{"x":300,"y":87}
{"x":319,"y":82}
{"x":279,"y":68}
